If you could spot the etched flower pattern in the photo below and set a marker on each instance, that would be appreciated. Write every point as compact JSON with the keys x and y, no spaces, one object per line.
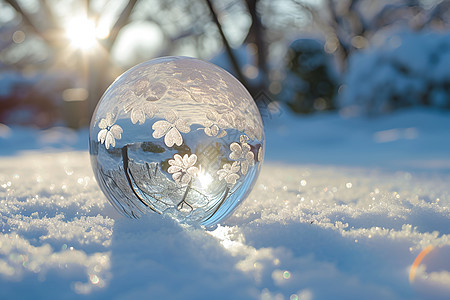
{"x":143,"y":108}
{"x":234,"y":120}
{"x":190,"y":141}
{"x":182,"y":168}
{"x":170,"y":129}
{"x":140,"y":111}
{"x":139,"y":100}
{"x":150,"y":91}
{"x":229,"y":172}
{"x":242,"y":153}
{"x":109,"y":131}
{"x":155,"y":91}
{"x":188,"y":71}
{"x":260,"y":154}
{"x":212,"y":126}
{"x":140,"y":87}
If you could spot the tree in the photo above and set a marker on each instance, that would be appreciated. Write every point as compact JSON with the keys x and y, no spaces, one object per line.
{"x":351,"y":25}
{"x":46,"y":33}
{"x":195,"y":27}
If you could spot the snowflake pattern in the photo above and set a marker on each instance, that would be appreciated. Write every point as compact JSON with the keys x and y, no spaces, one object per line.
{"x":170,"y":129}
{"x":242,"y":153}
{"x":109,"y":131}
{"x":229,"y":172}
{"x":182,"y":168}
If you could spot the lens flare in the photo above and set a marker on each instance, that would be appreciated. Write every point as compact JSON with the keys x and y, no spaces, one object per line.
{"x":83,"y":33}
{"x":417,"y":261}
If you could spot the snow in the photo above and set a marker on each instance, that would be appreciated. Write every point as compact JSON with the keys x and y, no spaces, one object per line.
{"x":407,"y":69}
{"x":342,"y":209}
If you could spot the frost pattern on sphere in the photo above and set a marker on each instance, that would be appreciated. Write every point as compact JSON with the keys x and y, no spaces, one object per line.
{"x":176,"y":136}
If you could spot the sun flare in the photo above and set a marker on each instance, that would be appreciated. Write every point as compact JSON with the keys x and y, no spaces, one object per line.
{"x":82,"y":33}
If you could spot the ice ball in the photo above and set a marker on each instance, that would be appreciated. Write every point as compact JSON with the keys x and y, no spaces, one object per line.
{"x":179,"y":137}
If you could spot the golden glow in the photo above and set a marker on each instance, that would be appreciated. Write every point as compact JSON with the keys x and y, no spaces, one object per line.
{"x":417,"y":261}
{"x":359,"y":42}
{"x":75,"y":94}
{"x":83,"y":33}
{"x":331,"y":45}
{"x":102,"y":31}
{"x":205,"y":179}
{"x":250,"y":71}
{"x":18,"y":36}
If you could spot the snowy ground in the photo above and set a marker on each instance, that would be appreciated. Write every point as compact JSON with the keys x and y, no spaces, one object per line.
{"x":341,"y":210}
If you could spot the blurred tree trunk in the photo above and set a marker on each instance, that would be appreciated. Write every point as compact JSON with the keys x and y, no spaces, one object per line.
{"x":228,"y":49}
{"x":99,"y":77}
{"x":257,"y":35}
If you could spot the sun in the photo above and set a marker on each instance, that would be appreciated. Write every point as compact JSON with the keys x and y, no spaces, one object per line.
{"x":83,"y":34}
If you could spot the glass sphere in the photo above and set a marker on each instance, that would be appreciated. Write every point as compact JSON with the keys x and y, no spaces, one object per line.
{"x":177,"y":136}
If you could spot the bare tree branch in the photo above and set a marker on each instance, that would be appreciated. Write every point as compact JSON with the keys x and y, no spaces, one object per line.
{"x":120,"y":23}
{"x":437,"y":12}
{"x":337,"y":23}
{"x":228,"y":49}
{"x":256,"y":35}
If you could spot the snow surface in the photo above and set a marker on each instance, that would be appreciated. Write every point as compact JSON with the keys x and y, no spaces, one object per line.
{"x":342,"y":208}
